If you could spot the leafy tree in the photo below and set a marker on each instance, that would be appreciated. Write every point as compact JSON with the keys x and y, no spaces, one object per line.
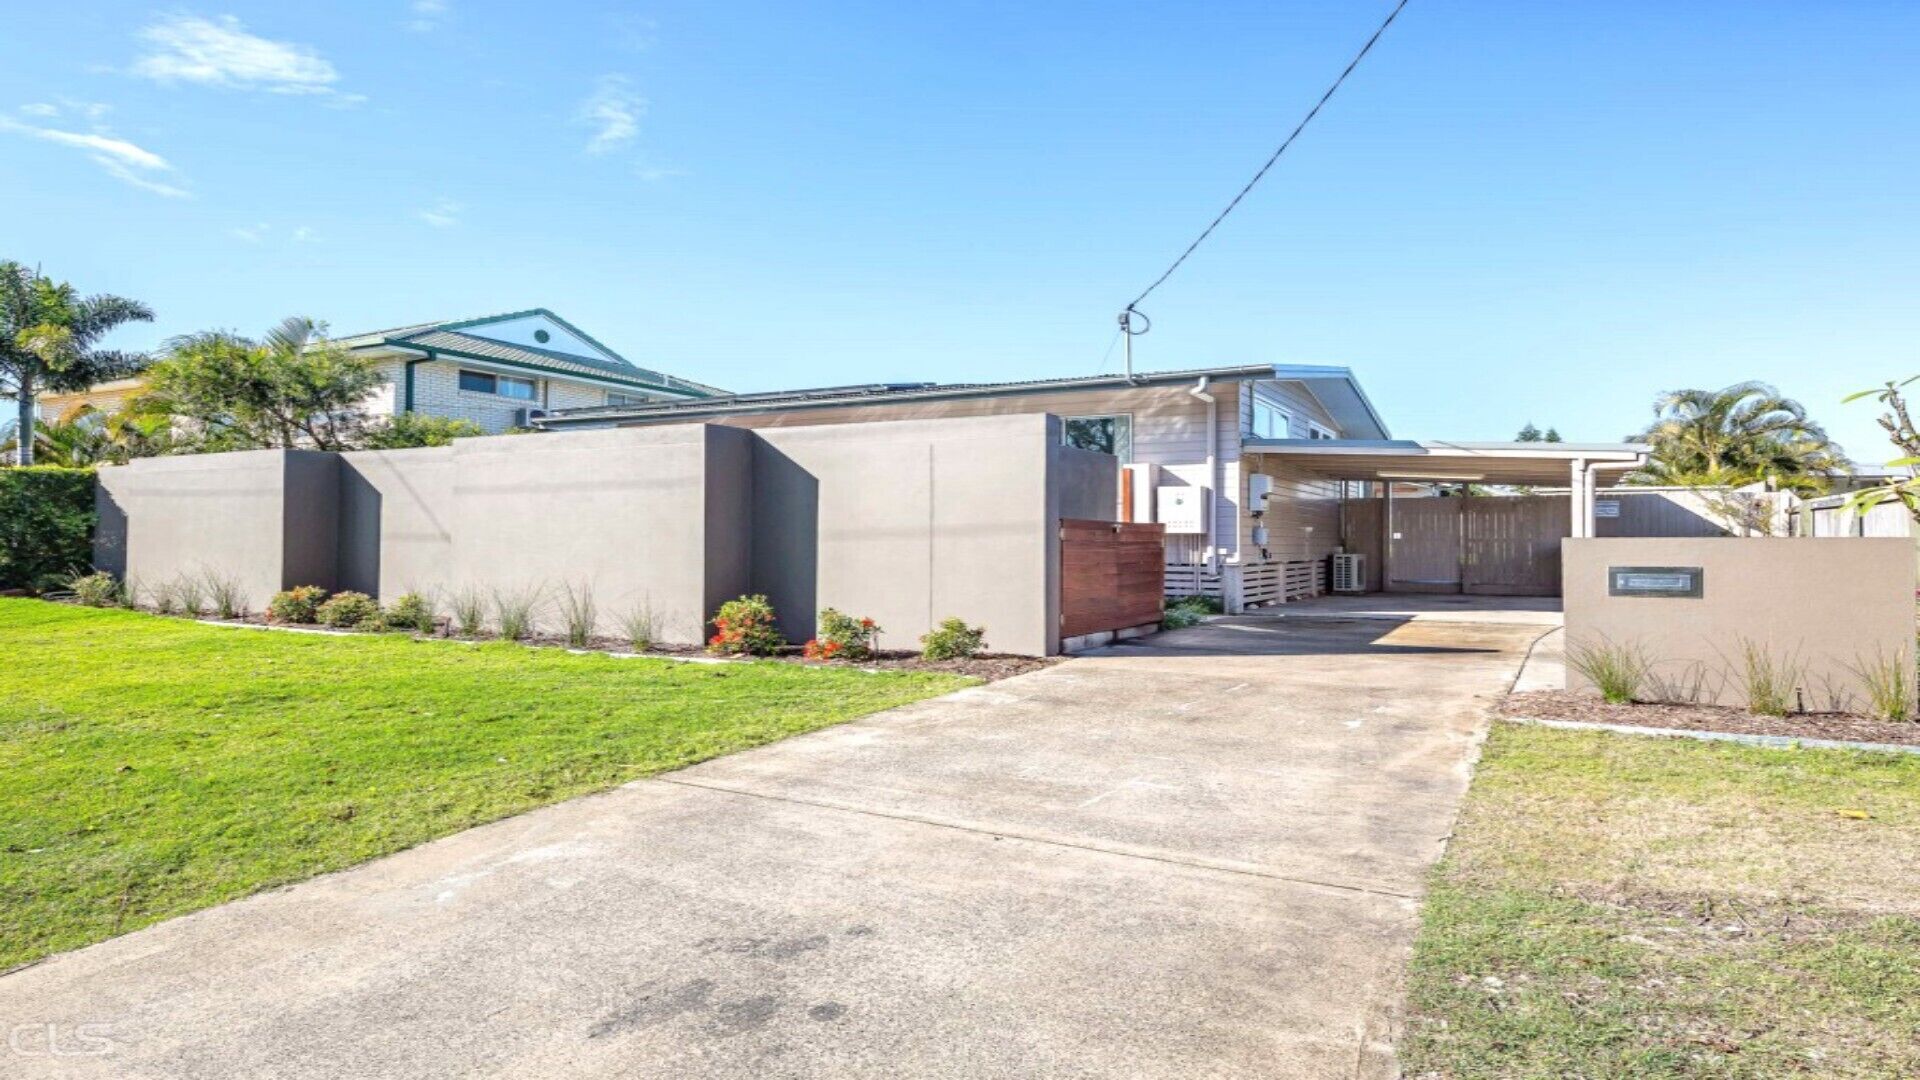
{"x":409,"y":430}
{"x":1897,"y":422}
{"x":49,"y":338}
{"x":1528,"y":434}
{"x":1552,"y":435}
{"x":1743,"y":434}
{"x":292,"y":388}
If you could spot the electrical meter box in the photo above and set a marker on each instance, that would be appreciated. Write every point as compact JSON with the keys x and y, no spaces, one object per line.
{"x":1183,"y":510}
{"x":1259,"y":486}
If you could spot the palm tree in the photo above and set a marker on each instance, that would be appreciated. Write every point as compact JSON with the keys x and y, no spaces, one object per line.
{"x":48,"y":340}
{"x":1743,"y":434}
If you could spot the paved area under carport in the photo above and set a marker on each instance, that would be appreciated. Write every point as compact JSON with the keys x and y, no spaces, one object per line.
{"x":1196,"y":855}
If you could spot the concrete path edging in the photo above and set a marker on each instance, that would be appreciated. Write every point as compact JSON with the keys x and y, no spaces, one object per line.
{"x":1773,"y":742}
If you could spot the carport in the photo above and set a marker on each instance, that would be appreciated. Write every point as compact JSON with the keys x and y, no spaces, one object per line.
{"x":1506,"y":543}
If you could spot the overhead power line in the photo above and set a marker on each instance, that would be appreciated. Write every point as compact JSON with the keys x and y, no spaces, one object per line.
{"x":1131,"y":312}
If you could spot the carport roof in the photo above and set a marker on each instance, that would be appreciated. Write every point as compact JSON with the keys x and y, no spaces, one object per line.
{"x":1534,"y":463}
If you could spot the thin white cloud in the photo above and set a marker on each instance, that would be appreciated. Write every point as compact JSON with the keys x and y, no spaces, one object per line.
{"x":443,"y":214}
{"x":305,"y":235}
{"x":653,"y":173}
{"x":92,"y":111}
{"x":124,"y":161}
{"x":613,"y":112}
{"x":220,"y":52}
{"x":428,"y":15}
{"x":252,"y":234}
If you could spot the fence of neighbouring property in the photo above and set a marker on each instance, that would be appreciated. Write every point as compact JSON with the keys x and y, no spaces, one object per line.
{"x":906,"y":522}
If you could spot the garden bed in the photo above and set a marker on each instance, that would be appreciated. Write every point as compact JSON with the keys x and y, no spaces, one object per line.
{"x":1841,"y":727}
{"x":988,"y":667}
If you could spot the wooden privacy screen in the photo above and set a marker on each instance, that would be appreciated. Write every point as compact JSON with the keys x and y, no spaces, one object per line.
{"x":1112,"y":575}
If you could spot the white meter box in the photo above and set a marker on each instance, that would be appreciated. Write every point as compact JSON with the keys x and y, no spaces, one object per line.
{"x":1183,"y":510}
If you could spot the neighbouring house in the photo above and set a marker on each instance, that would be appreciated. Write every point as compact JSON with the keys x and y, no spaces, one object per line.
{"x":1260,"y":473}
{"x":499,"y":371}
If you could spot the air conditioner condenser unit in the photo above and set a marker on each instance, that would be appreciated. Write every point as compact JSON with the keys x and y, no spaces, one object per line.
{"x":1349,"y":572}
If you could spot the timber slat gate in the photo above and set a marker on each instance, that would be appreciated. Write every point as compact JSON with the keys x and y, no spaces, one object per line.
{"x":1112,"y":575}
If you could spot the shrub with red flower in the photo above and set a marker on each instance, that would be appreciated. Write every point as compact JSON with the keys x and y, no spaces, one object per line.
{"x":843,"y":637}
{"x":745,"y":627}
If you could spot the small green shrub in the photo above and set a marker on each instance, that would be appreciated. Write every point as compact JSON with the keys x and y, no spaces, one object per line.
{"x":1205,"y":605}
{"x":642,"y":625}
{"x":300,"y":604}
{"x":1182,"y":612}
{"x":513,"y":612}
{"x":1179,"y":618}
{"x":410,"y":611}
{"x":46,"y":525}
{"x":745,"y":626}
{"x":953,"y":640}
{"x":229,"y":596}
{"x":348,"y":610}
{"x":1770,"y":681}
{"x":98,"y":589}
{"x":580,"y":612}
{"x":191,"y":592}
{"x":1619,"y":672}
{"x":842,"y":637}
{"x":1889,"y":684}
{"x":469,"y":611}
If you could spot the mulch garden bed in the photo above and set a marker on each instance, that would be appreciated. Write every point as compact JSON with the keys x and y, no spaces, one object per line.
{"x":988,"y":667}
{"x":1560,"y":705}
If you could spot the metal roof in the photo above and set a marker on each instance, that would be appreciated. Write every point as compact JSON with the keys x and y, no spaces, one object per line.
{"x":451,"y":337}
{"x":1533,"y":463}
{"x":823,"y":397}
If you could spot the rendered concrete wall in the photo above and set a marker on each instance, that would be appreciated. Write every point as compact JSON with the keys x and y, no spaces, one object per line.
{"x":396,"y":521}
{"x":264,"y":518}
{"x":913,"y":522}
{"x":907,"y":522}
{"x":1826,"y":606}
{"x":623,"y":512}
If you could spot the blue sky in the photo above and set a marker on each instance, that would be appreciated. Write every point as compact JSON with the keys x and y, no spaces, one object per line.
{"x":1513,"y":212}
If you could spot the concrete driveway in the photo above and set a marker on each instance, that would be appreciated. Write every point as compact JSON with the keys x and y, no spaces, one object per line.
{"x":1197,"y":856}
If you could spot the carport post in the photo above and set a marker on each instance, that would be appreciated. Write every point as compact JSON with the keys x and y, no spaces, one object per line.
{"x":1386,"y":534}
{"x":1577,"y":496}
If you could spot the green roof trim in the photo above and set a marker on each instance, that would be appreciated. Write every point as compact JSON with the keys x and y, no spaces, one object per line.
{"x":452,"y":338}
{"x":557,"y":370}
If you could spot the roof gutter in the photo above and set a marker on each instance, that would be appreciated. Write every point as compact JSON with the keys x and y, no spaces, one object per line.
{"x":698,"y":408}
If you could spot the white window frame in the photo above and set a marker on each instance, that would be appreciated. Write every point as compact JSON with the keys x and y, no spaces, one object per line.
{"x":626,"y":398}
{"x":1123,"y":433}
{"x":1275,"y":411}
{"x":532,"y":385}
{"x":1319,"y":431}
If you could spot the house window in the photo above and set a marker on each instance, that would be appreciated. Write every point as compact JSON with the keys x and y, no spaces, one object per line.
{"x":625,"y":399}
{"x":1101,"y":434}
{"x":1271,"y":421}
{"x":481,"y":382}
{"x":1315,"y":431}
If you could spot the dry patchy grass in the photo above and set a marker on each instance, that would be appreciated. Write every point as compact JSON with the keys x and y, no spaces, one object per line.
{"x":1621,"y":906}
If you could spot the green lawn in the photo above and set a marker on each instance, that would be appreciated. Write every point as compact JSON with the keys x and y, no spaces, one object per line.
{"x":1628,"y":906}
{"x":152,"y":766}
